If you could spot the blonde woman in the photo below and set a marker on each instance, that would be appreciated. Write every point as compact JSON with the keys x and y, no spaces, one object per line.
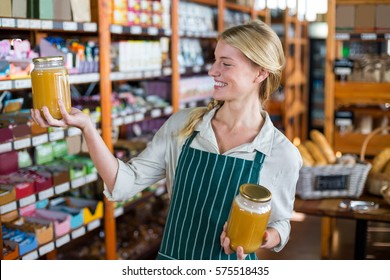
{"x":205,"y":154}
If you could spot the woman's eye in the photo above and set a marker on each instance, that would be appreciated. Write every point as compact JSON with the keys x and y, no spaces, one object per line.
{"x":226,"y":64}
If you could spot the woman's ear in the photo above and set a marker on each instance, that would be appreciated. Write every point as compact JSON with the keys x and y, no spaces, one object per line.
{"x":261,"y":76}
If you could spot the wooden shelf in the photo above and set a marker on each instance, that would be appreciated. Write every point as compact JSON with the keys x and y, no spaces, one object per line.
{"x":212,"y":3}
{"x":239,"y":8}
{"x":352,"y":143}
{"x":353,"y":93}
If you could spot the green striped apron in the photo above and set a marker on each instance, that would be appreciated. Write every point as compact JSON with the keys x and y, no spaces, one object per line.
{"x":202,"y":194}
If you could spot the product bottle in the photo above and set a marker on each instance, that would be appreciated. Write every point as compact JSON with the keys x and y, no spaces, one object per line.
{"x":248,"y":217}
{"x":49,"y":80}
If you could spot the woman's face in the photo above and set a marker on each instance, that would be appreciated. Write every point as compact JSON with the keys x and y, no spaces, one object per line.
{"x":235,"y":76}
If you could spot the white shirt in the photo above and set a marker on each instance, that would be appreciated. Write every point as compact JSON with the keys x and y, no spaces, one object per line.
{"x":279,"y":173}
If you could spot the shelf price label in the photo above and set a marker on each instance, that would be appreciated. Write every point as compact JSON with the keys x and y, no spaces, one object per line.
{"x":78,"y":232}
{"x":74,"y":131}
{"x":25,"y":83}
{"x":91,"y":178}
{"x":152,"y":31}
{"x":27,"y":200}
{"x":128,"y":119}
{"x":139,"y":117}
{"x":78,"y":182}
{"x":23,"y":23}
{"x":35,"y":24}
{"x":155,"y":113}
{"x":41,"y":139}
{"x":31,"y":256}
{"x":22,"y":143}
{"x":343,"y":36}
{"x":6,"y":147}
{"x":92,"y":225}
{"x":8,"y":22}
{"x":90,"y":27}
{"x":69,"y":26}
{"x":368,"y":36}
{"x":62,"y":240}
{"x":8,"y":207}
{"x":46,"y":194}
{"x":136,"y":29}
{"x":47,"y":24}
{"x":117,"y":29}
{"x":5,"y":85}
{"x":168,"y":110}
{"x":62,"y":188}
{"x":57,"y":135}
{"x":46,"y":248}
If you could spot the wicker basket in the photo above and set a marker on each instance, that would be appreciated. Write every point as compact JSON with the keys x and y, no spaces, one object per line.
{"x":328,"y":181}
{"x":375,"y":181}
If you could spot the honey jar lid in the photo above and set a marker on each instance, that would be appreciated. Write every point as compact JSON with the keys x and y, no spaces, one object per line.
{"x":48,"y":59}
{"x":255,"y":192}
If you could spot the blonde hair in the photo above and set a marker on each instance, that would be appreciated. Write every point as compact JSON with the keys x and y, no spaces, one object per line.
{"x":260,"y":44}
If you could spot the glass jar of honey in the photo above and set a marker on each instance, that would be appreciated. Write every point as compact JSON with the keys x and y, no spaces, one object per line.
{"x":49,"y":80}
{"x":248,"y":217}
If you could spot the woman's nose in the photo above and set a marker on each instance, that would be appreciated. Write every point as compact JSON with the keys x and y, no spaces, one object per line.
{"x":213,"y":71}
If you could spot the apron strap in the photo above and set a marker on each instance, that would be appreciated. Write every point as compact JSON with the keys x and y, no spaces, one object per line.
{"x":189,"y":139}
{"x":257,"y":165}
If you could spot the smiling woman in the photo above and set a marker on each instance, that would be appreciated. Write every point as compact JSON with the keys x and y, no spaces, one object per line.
{"x":206,"y":154}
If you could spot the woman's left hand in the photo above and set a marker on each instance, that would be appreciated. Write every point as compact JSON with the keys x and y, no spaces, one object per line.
{"x":225,"y":243}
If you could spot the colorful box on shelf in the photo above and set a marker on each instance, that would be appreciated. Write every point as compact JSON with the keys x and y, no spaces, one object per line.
{"x":60,"y":173}
{"x":41,"y":180}
{"x":9,"y":216}
{"x":8,"y":162}
{"x":92,"y":209}
{"x":10,"y":250}
{"x":7,"y":194}
{"x":23,"y":187}
{"x":76,"y":214}
{"x":25,"y":241}
{"x":41,"y":228}
{"x":18,"y":124}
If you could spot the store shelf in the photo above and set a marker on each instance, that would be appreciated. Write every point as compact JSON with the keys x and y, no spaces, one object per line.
{"x":352,"y":143}
{"x":358,"y":93}
{"x":47,"y":25}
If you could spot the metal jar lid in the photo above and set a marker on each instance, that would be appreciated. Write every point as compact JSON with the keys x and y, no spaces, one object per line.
{"x":255,"y":193}
{"x":48,"y":59}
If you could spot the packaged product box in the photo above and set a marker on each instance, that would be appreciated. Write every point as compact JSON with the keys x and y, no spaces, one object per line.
{"x":59,"y":171}
{"x":40,"y":9}
{"x":60,"y":220}
{"x":9,"y":216}
{"x":92,"y":209}
{"x":10,"y":250}
{"x":8,"y":162}
{"x":382,"y":17}
{"x":5,"y":8}
{"x":23,"y":187}
{"x":81,"y":10}
{"x":19,"y":8}
{"x":77,"y":215}
{"x":42,"y":229}
{"x":62,"y":10}
{"x":26,"y":242}
{"x":7,"y":194}
{"x":345,"y":17}
{"x":365,"y":17}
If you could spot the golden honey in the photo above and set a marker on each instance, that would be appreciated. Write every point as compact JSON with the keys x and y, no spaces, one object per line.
{"x":249,"y":217}
{"x":50,"y":83}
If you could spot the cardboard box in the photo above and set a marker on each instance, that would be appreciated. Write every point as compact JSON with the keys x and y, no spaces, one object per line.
{"x":19,"y":8}
{"x":345,"y":17}
{"x":42,"y":229}
{"x":92,"y":209}
{"x":62,"y":10}
{"x":7,"y":194}
{"x":365,"y":17}
{"x":382,"y":17}
{"x":81,"y":10}
{"x":10,"y":250}
{"x":5,"y":8}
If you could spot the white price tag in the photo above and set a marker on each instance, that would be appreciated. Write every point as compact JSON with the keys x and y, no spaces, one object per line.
{"x":46,"y":194}
{"x":27,"y":200}
{"x":31,"y":256}
{"x":368,"y":36}
{"x":46,"y":248}
{"x":168,"y":110}
{"x":148,"y":74}
{"x":128,"y":119}
{"x":56,"y":135}
{"x":152,"y":31}
{"x":78,"y":182}
{"x":5,"y":85}
{"x":8,"y":22}
{"x":91,"y":178}
{"x":69,"y":25}
{"x":41,"y":139}
{"x":342,"y":36}
{"x":139,"y":117}
{"x":155,"y":113}
{"x":78,"y":232}
{"x":62,"y":188}
{"x":35,"y":24}
{"x":47,"y":24}
{"x":117,"y":122}
{"x":118,"y":212}
{"x":8,"y":207}
{"x":23,"y":23}
{"x":168,"y":32}
{"x":92,"y":225}
{"x":117,"y":29}
{"x":25,"y":83}
{"x":156,"y":73}
{"x":74,"y":131}
{"x":22,"y":143}
{"x":6,"y":147}
{"x":62,"y":240}
{"x":135,"y":29}
{"x":90,"y":27}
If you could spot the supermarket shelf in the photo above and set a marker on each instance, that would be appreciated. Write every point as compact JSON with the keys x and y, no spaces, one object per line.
{"x":352,"y":143}
{"x":138,"y":30}
{"x":50,"y":192}
{"x":29,"y":24}
{"x":350,"y":93}
{"x":364,"y":36}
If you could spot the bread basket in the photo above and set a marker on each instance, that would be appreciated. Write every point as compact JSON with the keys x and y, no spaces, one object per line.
{"x":375,"y":180}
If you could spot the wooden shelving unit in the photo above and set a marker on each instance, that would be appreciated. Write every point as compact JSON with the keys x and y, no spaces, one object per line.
{"x":353,"y":94}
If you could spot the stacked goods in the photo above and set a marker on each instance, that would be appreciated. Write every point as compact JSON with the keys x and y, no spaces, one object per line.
{"x":379,"y":175}
{"x":323,"y":175}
